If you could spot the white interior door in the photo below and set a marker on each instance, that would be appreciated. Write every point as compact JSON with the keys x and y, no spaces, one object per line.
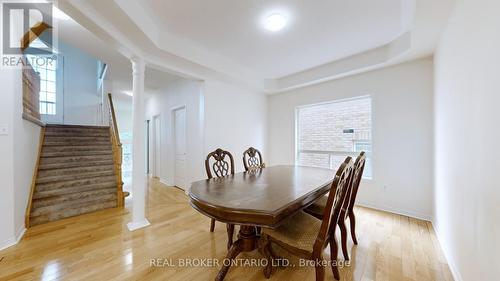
{"x":180,"y":147}
{"x":156,"y":146}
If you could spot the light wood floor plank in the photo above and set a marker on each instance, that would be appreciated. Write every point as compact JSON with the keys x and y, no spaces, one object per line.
{"x":98,"y":246}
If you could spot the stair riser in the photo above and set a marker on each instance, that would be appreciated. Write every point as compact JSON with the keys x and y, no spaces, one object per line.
{"x":74,"y":171}
{"x":76,"y":138}
{"x":80,"y":164}
{"x":57,"y":133}
{"x":75,"y":183}
{"x":73,"y":177}
{"x":72,"y":130}
{"x":76,"y":143}
{"x":72,"y":190}
{"x":76,"y":153}
{"x":51,"y":149}
{"x":71,"y":213}
{"x":68,"y":205}
{"x":69,"y":199}
{"x":75,"y":159}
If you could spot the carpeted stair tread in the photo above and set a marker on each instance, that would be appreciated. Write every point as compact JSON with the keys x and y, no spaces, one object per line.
{"x":67,"y":187}
{"x":74,"y":159}
{"x":75,"y":164}
{"x":74,"y":171}
{"x":70,"y":197}
{"x":74,"y":177}
{"x":75,"y":142}
{"x":70,"y":148}
{"x":77,"y":134}
{"x":76,"y":152}
{"x":75,"y":210}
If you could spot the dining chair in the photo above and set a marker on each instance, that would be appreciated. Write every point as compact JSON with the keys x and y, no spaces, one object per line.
{"x":305,"y":236}
{"x":252,"y":159}
{"x":220,"y":163}
{"x":317,"y":208}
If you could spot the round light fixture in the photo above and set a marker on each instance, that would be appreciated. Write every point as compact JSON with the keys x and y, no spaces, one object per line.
{"x":275,"y":22}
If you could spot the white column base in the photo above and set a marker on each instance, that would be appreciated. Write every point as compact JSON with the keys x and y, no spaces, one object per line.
{"x":137,"y":225}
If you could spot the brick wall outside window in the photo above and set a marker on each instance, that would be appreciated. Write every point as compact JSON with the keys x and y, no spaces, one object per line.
{"x":331,"y":131}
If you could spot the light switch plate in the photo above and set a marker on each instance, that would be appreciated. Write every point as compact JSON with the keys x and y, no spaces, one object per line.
{"x":4,"y":130}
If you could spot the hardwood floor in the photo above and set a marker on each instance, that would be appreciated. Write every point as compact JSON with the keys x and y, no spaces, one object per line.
{"x":98,"y":246}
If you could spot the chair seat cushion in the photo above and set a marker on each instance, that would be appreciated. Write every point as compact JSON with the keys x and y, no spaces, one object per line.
{"x":318,"y":207}
{"x":299,"y":231}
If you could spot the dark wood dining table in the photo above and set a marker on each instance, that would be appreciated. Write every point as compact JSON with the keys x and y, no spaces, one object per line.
{"x":264,"y":198}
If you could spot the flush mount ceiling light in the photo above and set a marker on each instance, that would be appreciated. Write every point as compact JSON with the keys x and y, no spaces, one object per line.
{"x":128,"y":93}
{"x":275,"y":22}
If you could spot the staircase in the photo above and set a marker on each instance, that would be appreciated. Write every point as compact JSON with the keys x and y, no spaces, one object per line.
{"x":77,"y":173}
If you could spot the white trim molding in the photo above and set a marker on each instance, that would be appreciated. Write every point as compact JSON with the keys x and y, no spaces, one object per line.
{"x":14,"y":240}
{"x":396,"y":211}
{"x":453,"y":267}
{"x":137,"y":225}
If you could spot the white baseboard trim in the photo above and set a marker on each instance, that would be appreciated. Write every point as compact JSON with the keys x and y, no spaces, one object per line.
{"x":453,"y":267}
{"x":165,"y":182}
{"x":137,"y":225}
{"x":14,"y":240}
{"x":396,"y":211}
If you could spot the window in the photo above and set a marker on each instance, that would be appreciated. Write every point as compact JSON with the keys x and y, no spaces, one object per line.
{"x":47,"y":69}
{"x":329,"y":132}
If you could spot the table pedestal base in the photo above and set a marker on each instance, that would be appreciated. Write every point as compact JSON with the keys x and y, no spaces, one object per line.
{"x":247,"y":242}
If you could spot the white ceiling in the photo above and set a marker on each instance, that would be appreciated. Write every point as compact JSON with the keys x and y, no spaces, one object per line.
{"x":119,"y":67}
{"x":225,"y":40}
{"x":318,"y":31}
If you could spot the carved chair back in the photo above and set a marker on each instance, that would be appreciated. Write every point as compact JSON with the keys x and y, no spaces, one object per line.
{"x":334,"y":203}
{"x":219,"y":163}
{"x":252,"y":159}
{"x":359,"y":167}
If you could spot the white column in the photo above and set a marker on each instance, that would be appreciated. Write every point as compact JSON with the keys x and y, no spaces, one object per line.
{"x":139,"y":180}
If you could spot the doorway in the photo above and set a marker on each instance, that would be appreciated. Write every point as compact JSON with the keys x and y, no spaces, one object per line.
{"x":179,"y":122}
{"x":156,"y":155}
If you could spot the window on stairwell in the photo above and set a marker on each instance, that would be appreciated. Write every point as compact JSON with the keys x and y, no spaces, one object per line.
{"x":47,"y":69}
{"x":329,"y":132}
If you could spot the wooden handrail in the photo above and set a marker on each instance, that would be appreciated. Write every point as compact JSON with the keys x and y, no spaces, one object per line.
{"x":112,"y":117}
{"x":117,"y":151}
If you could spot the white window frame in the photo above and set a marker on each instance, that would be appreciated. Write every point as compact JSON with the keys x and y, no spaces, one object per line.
{"x":353,"y":154}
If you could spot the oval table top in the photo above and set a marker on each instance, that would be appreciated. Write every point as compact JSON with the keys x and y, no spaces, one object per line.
{"x":263,"y":197}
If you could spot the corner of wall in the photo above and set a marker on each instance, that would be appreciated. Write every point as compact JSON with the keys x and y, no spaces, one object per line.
{"x":453,"y":267}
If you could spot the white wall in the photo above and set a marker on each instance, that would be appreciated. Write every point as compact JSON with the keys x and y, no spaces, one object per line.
{"x":218,"y":115}
{"x":19,"y":150}
{"x":123,"y":112}
{"x":467,"y":134}
{"x":27,"y":138}
{"x":235,"y":119}
{"x":7,"y":232}
{"x":81,"y":97}
{"x":402,"y":132}
{"x":181,"y":92}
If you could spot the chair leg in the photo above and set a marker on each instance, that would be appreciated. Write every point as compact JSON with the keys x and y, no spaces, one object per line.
{"x":343,"y":238}
{"x":212,"y":225}
{"x":230,"y":233}
{"x":334,"y":249}
{"x":320,"y":270}
{"x":352,"y":222}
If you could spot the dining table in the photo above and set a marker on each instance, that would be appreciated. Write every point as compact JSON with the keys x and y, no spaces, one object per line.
{"x":263,"y":197}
